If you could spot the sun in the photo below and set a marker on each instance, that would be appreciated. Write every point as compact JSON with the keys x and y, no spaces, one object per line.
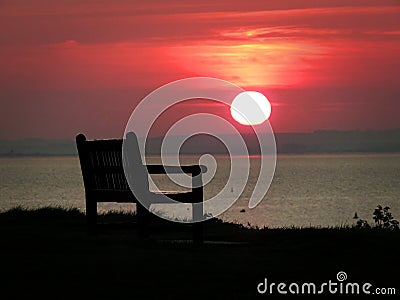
{"x":250,"y":108}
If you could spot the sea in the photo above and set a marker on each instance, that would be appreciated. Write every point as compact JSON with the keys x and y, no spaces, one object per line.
{"x":318,"y":190}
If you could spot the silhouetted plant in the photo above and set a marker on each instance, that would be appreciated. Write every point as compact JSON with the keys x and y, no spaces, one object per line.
{"x":362,"y":224}
{"x":383,"y":219}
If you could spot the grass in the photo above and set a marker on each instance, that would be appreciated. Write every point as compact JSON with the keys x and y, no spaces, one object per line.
{"x":47,"y":253}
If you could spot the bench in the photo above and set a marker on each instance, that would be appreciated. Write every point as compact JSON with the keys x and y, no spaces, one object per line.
{"x":104,"y":180}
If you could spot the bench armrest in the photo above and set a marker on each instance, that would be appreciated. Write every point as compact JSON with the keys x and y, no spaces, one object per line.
{"x":162,"y":169}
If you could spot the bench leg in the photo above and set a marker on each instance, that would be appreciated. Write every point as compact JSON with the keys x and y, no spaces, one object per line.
{"x":198,"y":237}
{"x":91,"y":216}
{"x":197,"y":208}
{"x":143,"y":216}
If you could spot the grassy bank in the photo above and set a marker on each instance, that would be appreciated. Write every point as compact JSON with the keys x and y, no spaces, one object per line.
{"x":47,"y":253}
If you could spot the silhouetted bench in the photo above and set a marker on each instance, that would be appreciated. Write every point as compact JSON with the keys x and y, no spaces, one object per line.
{"x":104,"y":180}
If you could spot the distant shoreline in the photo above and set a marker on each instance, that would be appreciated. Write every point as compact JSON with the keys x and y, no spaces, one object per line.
{"x":317,"y":142}
{"x":45,"y":155}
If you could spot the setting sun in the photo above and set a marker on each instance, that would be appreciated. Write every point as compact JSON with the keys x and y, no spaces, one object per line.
{"x":250,"y":108}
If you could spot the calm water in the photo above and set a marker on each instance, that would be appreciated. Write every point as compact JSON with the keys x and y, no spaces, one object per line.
{"x":317,"y":190}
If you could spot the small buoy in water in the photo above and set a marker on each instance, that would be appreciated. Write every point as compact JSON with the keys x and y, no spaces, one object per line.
{"x":355,"y":216}
{"x":242,"y":210}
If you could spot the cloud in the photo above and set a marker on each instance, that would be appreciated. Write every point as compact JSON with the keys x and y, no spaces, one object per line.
{"x":42,"y":22}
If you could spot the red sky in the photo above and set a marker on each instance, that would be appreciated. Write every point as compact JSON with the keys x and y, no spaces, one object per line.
{"x":81,"y":66}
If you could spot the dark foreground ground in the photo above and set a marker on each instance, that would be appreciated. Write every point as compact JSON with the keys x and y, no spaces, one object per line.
{"x":46,"y":254}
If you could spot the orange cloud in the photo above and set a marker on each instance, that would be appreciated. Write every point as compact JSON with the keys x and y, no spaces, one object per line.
{"x":276,"y":63}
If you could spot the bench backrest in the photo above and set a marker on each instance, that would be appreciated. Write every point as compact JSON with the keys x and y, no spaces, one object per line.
{"x":102,"y":165}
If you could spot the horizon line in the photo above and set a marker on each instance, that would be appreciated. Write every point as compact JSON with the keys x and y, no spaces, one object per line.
{"x":278,"y":132}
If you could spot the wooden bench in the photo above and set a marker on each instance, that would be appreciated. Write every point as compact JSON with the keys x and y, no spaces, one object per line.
{"x":104,"y":180}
